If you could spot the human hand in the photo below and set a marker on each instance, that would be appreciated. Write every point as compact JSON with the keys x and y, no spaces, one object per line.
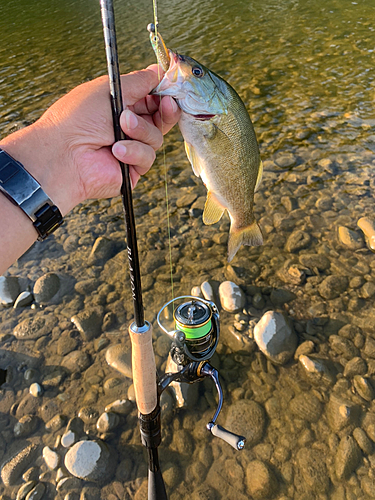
{"x":69,"y":149}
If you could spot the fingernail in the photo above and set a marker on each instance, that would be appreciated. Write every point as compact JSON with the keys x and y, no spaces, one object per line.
{"x":173,"y":104}
{"x":119,"y":150}
{"x":131,"y":120}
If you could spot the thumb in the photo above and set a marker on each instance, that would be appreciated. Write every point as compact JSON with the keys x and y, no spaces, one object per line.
{"x":137,"y":85}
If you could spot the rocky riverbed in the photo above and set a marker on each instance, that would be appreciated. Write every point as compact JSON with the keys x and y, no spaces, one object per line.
{"x":296,"y":356}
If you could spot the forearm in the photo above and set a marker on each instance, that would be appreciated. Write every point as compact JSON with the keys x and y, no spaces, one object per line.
{"x":34,"y":149}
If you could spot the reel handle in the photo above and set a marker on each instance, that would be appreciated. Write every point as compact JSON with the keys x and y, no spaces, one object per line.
{"x":237,"y":442}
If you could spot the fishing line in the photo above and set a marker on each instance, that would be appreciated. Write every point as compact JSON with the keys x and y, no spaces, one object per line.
{"x":164,"y":160}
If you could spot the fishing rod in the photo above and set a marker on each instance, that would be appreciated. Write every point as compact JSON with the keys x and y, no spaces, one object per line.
{"x":195,"y":333}
{"x":143,"y":360}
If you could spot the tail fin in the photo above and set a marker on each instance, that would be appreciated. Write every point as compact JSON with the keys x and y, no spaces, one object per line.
{"x":250,"y":235}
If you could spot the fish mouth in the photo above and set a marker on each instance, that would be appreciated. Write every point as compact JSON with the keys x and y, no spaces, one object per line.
{"x":204,"y":118}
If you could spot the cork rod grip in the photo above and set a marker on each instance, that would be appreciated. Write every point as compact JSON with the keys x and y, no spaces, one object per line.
{"x":144,"y":368}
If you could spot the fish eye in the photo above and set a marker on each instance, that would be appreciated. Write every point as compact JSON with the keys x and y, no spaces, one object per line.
{"x":197,"y":71}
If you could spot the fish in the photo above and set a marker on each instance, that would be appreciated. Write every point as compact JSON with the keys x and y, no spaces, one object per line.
{"x":220,"y":141}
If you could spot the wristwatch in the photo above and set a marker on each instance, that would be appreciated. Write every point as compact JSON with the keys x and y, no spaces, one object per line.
{"x":23,"y":190}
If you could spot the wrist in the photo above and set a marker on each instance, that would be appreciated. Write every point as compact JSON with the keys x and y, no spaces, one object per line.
{"x":35,"y":148}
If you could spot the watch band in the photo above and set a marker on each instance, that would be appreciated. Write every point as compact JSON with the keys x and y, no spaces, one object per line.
{"x":20,"y":187}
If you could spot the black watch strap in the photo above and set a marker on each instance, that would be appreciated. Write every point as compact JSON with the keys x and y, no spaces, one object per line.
{"x":23,"y":190}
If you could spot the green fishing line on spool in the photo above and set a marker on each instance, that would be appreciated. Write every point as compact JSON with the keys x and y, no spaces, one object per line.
{"x":194,"y":319}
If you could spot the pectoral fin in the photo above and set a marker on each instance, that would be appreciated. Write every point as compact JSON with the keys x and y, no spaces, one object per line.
{"x":251,"y":235}
{"x":259,"y":178}
{"x":193,"y":158}
{"x":213,"y":211}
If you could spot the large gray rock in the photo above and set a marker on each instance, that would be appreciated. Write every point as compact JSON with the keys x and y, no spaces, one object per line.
{"x":91,"y":460}
{"x":275,"y":338}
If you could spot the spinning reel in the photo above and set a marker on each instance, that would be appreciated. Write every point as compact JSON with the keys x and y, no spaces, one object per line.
{"x":194,"y":341}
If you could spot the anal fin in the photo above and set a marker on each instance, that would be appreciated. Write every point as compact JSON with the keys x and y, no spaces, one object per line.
{"x":213,"y":211}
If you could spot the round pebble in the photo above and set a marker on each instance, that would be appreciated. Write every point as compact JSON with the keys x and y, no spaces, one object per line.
{"x":35,"y":390}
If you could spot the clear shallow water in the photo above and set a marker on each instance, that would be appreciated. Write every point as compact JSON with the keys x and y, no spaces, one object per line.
{"x":306,"y":74}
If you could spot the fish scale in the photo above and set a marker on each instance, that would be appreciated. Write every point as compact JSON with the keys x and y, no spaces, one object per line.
{"x":220,"y":142}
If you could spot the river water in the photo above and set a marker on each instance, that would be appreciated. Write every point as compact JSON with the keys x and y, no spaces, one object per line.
{"x":305,"y":71}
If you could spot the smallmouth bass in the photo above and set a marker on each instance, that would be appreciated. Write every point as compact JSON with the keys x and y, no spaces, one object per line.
{"x":220,"y":141}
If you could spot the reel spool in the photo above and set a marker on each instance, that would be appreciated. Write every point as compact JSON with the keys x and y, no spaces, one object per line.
{"x":196,"y":333}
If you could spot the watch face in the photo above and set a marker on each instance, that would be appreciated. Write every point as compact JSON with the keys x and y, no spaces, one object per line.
{"x":7,"y":170}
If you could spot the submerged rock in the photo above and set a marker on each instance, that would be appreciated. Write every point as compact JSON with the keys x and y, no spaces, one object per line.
{"x":107,"y":422}
{"x":261,"y":481}
{"x":120,"y":406}
{"x":297,"y":241}
{"x":368,"y":227}
{"x":76,"y":361}
{"x":25,"y":489}
{"x":186,"y":395}
{"x":33,"y":328}
{"x":26,"y":426}
{"x":207,"y":291}
{"x":347,"y":458}
{"x":356,"y":366}
{"x":333,"y":286}
{"x":275,"y":338}
{"x":24,"y":299}
{"x":46,"y":287}
{"x":246,"y":418}
{"x":342,"y":413}
{"x":312,"y":466}
{"x":9,"y":290}
{"x":88,"y":323}
{"x":119,"y":357}
{"x":36,"y":390}
{"x":16,"y":465}
{"x":306,"y":406}
{"x":363,"y":387}
{"x":349,"y":238}
{"x":363,"y":441}
{"x":51,"y":458}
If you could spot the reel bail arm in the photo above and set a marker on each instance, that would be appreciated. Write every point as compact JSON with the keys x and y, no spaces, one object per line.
{"x":236,"y":441}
